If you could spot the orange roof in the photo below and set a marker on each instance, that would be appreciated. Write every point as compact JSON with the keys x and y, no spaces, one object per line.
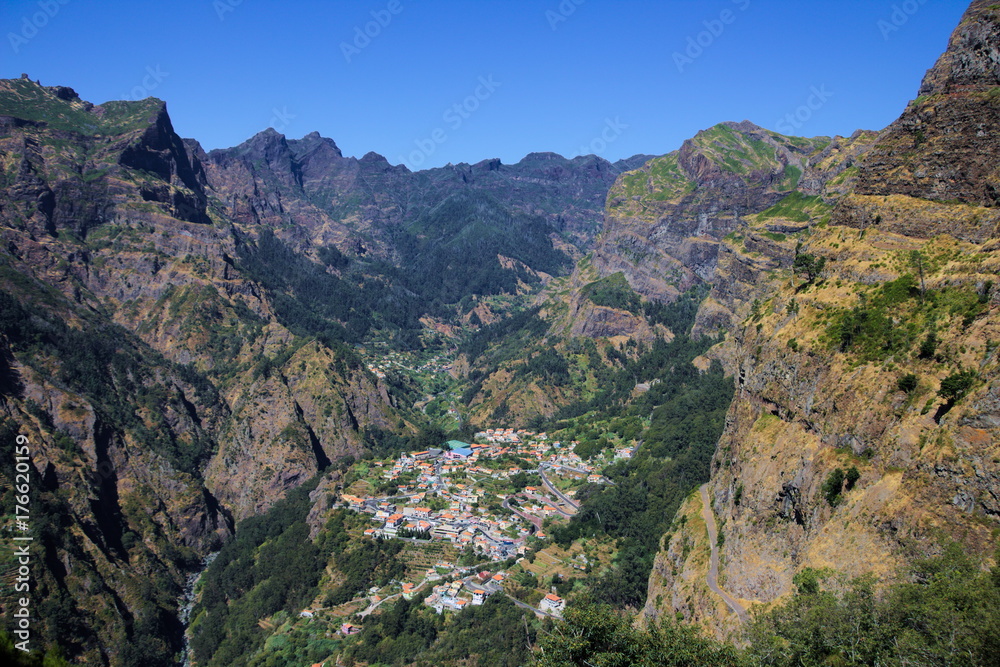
{"x":552,"y":597}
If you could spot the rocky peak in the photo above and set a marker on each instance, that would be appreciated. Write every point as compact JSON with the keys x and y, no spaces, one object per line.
{"x":944,"y":146}
{"x":315,"y":142}
{"x":972,"y":60}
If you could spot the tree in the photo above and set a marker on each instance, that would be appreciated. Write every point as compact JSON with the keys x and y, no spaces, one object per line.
{"x":811,"y":265}
{"x":907,"y":383}
{"x":853,"y":475}
{"x":832,"y":486}
{"x":956,"y":386}
{"x":596,"y":635}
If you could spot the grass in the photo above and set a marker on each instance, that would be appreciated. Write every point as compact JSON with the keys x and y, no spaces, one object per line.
{"x":660,"y":179}
{"x":797,"y":207}
{"x":25,"y":99}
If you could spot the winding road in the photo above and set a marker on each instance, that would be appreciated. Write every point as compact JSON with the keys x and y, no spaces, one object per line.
{"x":559,"y":494}
{"x":713,"y":571}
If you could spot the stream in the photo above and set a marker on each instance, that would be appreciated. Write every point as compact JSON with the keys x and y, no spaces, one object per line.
{"x":186,"y":604}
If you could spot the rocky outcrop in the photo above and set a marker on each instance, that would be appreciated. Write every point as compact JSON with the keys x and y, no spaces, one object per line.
{"x":162,"y":399}
{"x":358,"y":205}
{"x":944,"y":147}
{"x":811,"y":399}
{"x":664,"y":222}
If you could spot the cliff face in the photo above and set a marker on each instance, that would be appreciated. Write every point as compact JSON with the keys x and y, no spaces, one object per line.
{"x":162,"y":399}
{"x":873,"y":353}
{"x":944,"y":146}
{"x":360,"y":205}
{"x":664,"y":221}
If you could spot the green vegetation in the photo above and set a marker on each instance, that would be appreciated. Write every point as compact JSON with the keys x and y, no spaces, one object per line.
{"x":797,"y":207}
{"x":687,"y":412}
{"x":891,"y":317}
{"x":271,"y":565}
{"x":451,"y":252}
{"x":311,"y":302}
{"x":26,"y":99}
{"x":60,"y":625}
{"x":660,"y":179}
{"x":598,"y":635}
{"x":791,"y":180}
{"x":957,"y":385}
{"x":835,"y":484}
{"x":944,"y":611}
{"x":907,"y":383}
{"x":734,"y":151}
{"x":118,"y":375}
{"x":496,"y":634}
{"x":613,"y":292}
{"x":13,"y":657}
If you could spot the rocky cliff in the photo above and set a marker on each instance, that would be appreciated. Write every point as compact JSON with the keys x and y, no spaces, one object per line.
{"x":943,"y":147}
{"x":162,"y":398}
{"x":864,"y":430}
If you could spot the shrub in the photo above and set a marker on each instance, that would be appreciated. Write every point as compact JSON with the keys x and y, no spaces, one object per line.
{"x":853,"y":475}
{"x":907,"y":383}
{"x":832,"y":487}
{"x":956,"y":386}
{"x":929,"y":346}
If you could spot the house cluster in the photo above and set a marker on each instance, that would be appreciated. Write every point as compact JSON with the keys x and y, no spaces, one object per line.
{"x":386,"y":362}
{"x":435,"y":473}
{"x":487,"y":535}
{"x":461,"y":593}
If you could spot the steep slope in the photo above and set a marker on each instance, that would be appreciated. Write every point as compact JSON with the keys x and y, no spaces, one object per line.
{"x":864,"y":430}
{"x":358,"y":205}
{"x":664,"y":221}
{"x":662,"y":236}
{"x":163,"y":399}
{"x":943,"y":146}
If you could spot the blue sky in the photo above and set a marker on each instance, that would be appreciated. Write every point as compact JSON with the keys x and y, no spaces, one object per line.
{"x":427,"y":82}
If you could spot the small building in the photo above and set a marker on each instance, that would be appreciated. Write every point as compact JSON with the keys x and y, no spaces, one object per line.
{"x":552,"y":604}
{"x":349,"y":629}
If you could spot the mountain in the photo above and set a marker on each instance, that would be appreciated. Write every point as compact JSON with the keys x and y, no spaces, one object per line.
{"x":197,"y":347}
{"x":862,"y":339}
{"x":178,"y":328}
{"x":664,"y":231}
{"x":162,"y":399}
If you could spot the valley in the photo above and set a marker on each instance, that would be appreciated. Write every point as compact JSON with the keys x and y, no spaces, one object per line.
{"x":738,"y":402}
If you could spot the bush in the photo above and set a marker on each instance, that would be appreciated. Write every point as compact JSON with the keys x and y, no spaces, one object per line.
{"x":956,"y":386}
{"x":832,"y":487}
{"x":929,"y":346}
{"x":907,"y":383}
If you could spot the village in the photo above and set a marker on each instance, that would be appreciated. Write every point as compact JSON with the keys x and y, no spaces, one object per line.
{"x":482,"y":498}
